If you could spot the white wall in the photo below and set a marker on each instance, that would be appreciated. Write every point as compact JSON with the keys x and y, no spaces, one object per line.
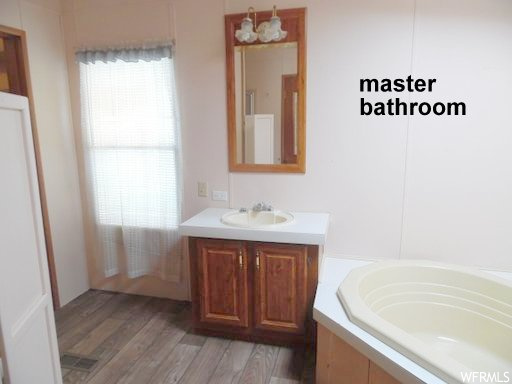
{"x":41,"y":20}
{"x":420,"y":187}
{"x":458,"y":196}
{"x":355,"y":166}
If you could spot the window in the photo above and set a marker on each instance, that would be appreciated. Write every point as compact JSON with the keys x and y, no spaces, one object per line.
{"x":131,"y":139}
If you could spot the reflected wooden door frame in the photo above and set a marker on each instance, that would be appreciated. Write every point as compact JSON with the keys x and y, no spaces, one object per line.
{"x":288,"y":131}
{"x":18,"y":43}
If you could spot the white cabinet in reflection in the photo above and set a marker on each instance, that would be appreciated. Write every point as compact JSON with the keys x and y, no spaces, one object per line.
{"x":259,"y":139}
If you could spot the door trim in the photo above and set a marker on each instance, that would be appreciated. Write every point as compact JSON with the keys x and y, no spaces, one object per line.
{"x":286,"y":156}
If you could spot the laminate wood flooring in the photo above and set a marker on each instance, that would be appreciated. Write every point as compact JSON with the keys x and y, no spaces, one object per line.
{"x":139,"y":340}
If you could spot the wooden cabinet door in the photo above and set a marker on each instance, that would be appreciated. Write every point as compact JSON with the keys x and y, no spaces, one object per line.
{"x":280,"y":281}
{"x":222,"y":282}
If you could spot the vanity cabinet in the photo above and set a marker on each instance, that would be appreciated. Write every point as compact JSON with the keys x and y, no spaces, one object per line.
{"x":252,"y":290}
{"x":222,"y":282}
{"x":280,"y":302}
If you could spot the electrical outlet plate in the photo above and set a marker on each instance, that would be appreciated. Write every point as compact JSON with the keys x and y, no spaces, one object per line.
{"x":202,"y":189}
{"x":219,"y":196}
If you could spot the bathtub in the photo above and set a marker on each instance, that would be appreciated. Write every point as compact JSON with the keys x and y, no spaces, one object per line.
{"x":456,"y":322}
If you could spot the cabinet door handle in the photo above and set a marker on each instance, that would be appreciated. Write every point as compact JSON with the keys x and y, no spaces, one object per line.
{"x":240,"y":259}
{"x":258,"y":260}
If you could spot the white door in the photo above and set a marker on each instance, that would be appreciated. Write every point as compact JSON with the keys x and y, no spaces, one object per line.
{"x":27,"y":326}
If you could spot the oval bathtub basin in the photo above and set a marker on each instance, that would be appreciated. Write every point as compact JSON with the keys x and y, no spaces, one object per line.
{"x":451,"y":320}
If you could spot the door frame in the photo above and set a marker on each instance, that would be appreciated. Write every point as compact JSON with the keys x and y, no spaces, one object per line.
{"x":20,"y":38}
{"x":284,"y":154}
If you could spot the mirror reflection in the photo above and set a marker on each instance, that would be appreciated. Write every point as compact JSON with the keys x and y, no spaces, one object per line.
{"x":266,"y":99}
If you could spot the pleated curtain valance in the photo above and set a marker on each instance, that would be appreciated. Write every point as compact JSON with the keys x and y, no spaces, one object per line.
{"x":129,"y":55}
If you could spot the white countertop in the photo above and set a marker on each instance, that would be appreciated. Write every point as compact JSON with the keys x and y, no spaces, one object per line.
{"x":329,"y":312}
{"x":307,"y":228}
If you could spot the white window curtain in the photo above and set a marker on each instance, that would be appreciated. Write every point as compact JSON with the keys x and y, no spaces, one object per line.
{"x":132,"y":155}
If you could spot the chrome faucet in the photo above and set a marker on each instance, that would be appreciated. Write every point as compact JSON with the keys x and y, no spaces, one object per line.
{"x":262,"y":207}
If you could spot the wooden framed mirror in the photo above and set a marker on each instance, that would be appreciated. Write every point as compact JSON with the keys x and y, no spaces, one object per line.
{"x":266,"y":96}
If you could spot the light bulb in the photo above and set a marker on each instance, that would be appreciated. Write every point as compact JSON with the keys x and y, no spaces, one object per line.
{"x":246,"y":32}
{"x":276,"y":33}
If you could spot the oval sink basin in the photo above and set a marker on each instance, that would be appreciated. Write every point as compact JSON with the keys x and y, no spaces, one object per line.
{"x":253,"y":219}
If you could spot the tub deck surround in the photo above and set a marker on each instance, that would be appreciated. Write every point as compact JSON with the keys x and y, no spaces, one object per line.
{"x":330,"y":313}
{"x":449,"y":319}
{"x":306,"y":228}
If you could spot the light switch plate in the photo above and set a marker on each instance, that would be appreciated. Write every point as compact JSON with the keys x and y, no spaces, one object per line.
{"x":202,"y":189}
{"x":219,"y":195}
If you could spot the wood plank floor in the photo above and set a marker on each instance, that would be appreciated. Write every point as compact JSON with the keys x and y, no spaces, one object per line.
{"x":139,"y":340}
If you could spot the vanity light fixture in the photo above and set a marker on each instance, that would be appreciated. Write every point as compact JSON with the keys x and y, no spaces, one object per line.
{"x":246,"y":32}
{"x":265,"y":32}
